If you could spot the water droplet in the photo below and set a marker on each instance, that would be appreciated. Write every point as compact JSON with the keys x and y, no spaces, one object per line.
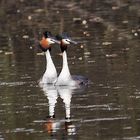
{"x":40,"y":53}
{"x":135,"y":34}
{"x":80,"y":58}
{"x":86,"y":53}
{"x":133,"y":31}
{"x":77,"y":20}
{"x":18,"y":11}
{"x":39,"y":10}
{"x":125,"y":21}
{"x":57,"y":12}
{"x":84,"y":22}
{"x":29,"y":17}
{"x":8,"y":53}
{"x":115,"y":7}
{"x":111,"y":55}
{"x":106,"y":43}
{"x":25,"y":36}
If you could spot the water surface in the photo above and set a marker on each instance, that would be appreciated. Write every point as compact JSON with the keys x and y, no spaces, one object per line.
{"x":108,"y":53}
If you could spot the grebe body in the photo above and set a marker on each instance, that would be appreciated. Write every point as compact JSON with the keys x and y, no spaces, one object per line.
{"x":50,"y":74}
{"x":65,"y":77}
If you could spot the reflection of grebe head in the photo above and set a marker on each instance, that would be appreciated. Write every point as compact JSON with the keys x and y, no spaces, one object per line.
{"x":48,"y":126}
{"x":47,"y":40}
{"x":70,"y":128}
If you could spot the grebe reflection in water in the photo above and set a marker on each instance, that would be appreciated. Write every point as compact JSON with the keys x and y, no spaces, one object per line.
{"x":52,"y":125}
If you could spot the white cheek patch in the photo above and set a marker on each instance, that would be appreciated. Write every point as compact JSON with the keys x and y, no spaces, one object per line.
{"x":66,"y":41}
{"x":50,"y":41}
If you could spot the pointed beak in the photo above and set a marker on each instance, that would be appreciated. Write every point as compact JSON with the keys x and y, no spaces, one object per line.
{"x":55,"y":40}
{"x":73,"y":42}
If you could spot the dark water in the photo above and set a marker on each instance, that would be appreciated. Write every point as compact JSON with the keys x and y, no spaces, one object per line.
{"x":108,"y":53}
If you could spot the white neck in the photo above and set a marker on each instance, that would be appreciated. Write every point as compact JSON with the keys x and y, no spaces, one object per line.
{"x":49,"y":62}
{"x":65,"y":76}
{"x":65,"y":68}
{"x":50,"y":75}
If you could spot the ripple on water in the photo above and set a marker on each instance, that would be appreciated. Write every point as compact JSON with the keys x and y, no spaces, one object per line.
{"x":131,"y":138}
{"x":106,"y":119}
{"x":18,"y":83}
{"x":22,"y":130}
{"x":11,"y":84}
{"x":99,"y":107}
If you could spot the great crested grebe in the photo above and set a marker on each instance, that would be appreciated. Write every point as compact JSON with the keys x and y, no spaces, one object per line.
{"x":65,"y":77}
{"x":50,"y":75}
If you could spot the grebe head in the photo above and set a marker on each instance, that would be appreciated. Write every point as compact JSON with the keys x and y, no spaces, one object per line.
{"x":65,"y":40}
{"x":47,"y":40}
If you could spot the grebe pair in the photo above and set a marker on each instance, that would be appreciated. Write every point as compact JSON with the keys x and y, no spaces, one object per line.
{"x":50,"y":75}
